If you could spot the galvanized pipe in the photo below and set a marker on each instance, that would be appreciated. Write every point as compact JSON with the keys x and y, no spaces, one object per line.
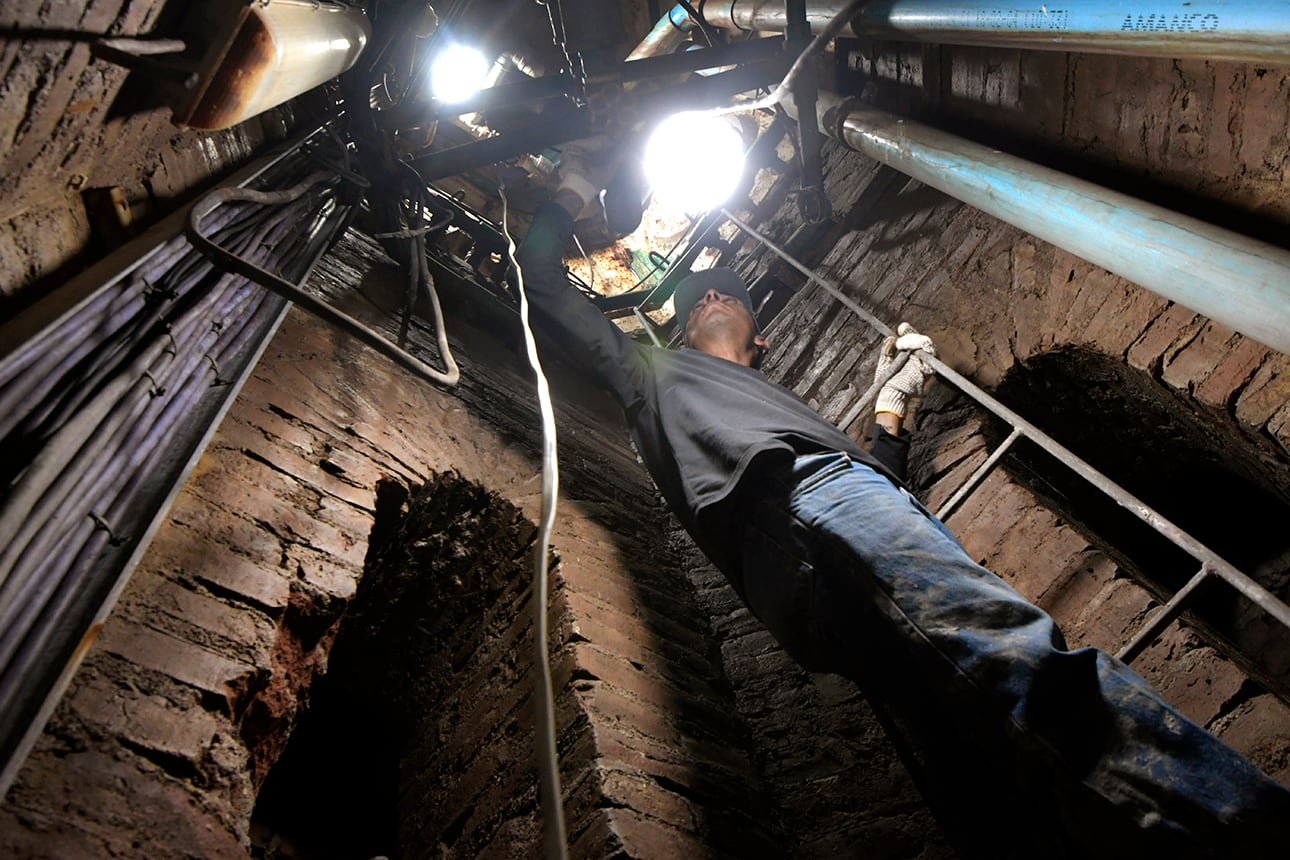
{"x":1230,"y":278}
{"x":668,"y":35}
{"x":1238,"y":30}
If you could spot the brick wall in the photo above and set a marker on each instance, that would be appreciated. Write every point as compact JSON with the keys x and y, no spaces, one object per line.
{"x":70,"y":125}
{"x":185,"y":702}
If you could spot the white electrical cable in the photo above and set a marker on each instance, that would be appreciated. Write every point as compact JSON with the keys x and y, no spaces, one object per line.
{"x":548,"y":763}
{"x":591,"y":267}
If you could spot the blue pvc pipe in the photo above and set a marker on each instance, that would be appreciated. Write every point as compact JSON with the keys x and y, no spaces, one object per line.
{"x":1232,"y":279}
{"x":1238,"y":30}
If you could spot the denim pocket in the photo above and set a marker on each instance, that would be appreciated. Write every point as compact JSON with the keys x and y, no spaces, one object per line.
{"x":814,"y":469}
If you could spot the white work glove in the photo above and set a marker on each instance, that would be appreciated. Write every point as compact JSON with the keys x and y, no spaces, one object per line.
{"x":586,"y":166}
{"x":908,"y":382}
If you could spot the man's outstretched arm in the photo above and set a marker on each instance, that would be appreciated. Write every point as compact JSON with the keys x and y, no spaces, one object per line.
{"x":566,"y":314}
{"x":890,"y":441}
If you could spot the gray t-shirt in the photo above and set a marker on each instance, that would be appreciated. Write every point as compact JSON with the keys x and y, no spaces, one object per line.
{"x":703,"y":425}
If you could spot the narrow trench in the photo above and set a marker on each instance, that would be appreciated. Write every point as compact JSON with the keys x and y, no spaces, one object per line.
{"x":1228,"y":492}
{"x":373,"y":765}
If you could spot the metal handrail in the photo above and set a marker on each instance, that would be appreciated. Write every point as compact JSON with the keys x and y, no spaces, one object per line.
{"x":1212,"y":565}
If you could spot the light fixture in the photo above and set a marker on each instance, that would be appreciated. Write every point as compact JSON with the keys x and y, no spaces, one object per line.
{"x":457,"y":73}
{"x":693,"y":160}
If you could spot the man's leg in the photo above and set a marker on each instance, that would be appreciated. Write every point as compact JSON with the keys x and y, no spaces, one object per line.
{"x":870,"y":585}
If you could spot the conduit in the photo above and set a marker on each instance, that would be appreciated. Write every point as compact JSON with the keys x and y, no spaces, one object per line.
{"x":110,"y":389}
{"x":1230,"y":278}
{"x":1236,"y":30}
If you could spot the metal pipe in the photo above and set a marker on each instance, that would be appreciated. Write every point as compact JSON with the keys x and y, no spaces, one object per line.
{"x":1163,"y":618}
{"x":273,"y":52}
{"x":978,"y":476}
{"x":1236,"y":30}
{"x":1232,"y":279}
{"x":668,"y":35}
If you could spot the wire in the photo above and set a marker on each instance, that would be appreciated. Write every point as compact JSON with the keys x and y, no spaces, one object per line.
{"x":548,"y":764}
{"x":708,"y":31}
{"x":591,"y":267}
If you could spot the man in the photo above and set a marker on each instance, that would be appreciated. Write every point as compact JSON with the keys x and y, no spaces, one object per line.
{"x":1025,"y":746}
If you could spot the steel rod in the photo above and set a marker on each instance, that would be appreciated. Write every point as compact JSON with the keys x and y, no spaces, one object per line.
{"x":871,"y":393}
{"x":978,"y":476}
{"x":1163,"y":618}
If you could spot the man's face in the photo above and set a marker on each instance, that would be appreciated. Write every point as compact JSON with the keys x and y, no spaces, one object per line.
{"x":721,"y":325}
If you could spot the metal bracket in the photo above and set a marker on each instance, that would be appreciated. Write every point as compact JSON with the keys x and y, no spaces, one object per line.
{"x":811,"y":200}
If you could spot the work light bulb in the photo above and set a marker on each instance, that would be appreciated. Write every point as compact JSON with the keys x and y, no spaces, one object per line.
{"x":457,"y":74}
{"x":693,"y":161}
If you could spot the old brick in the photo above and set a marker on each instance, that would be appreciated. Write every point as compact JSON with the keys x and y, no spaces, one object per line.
{"x":207,"y":670}
{"x":122,"y":809}
{"x":1085,"y":575}
{"x":612,"y":629}
{"x":985,"y":517}
{"x":1031,"y":332}
{"x":1234,"y":370}
{"x":1174,"y":325}
{"x":1258,"y":730}
{"x":1279,"y":427}
{"x":335,"y":576}
{"x":1197,"y":360}
{"x":1193,"y":678}
{"x":1093,"y":291}
{"x":253,"y":540}
{"x":185,"y":553}
{"x":1027,"y":556}
{"x":1268,"y":391}
{"x":1122,"y":320}
{"x":149,"y":722}
{"x":1112,"y":615}
{"x":158,"y":602}
{"x":643,"y":794}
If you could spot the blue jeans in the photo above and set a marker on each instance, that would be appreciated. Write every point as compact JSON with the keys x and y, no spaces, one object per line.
{"x":1010,"y":730}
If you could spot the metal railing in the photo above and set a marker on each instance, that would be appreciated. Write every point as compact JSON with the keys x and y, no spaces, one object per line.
{"x":1212,"y":566}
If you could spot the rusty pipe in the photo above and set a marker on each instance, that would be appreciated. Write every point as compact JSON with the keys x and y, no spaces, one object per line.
{"x":269,"y":53}
{"x":1230,"y":278}
{"x":1236,"y":30}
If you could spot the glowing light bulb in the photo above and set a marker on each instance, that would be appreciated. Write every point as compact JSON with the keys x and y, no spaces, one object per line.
{"x":457,"y":74}
{"x":693,"y":160}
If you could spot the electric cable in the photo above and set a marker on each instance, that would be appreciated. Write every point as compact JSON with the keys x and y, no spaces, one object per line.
{"x":553,"y":829}
{"x":591,"y":267}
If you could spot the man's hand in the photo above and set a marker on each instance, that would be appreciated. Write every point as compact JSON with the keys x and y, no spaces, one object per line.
{"x":907,"y":385}
{"x":586,"y":166}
